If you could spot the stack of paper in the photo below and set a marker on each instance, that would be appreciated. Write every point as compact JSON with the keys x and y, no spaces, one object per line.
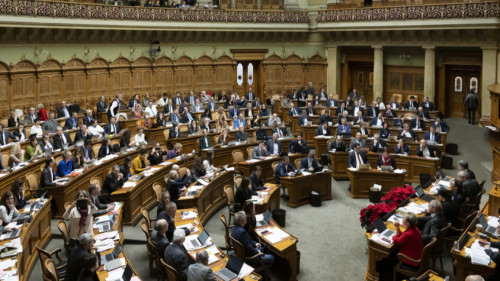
{"x":189,"y":215}
{"x":377,"y":238}
{"x":166,"y":163}
{"x":414,"y":208}
{"x":107,"y":235}
{"x":396,"y":218}
{"x":129,"y":184}
{"x":212,"y":252}
{"x":399,"y":171}
{"x":253,"y":160}
{"x":477,"y":254}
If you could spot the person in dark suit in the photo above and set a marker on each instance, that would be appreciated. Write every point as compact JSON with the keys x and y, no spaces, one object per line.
{"x":417,"y":123}
{"x":385,"y":132}
{"x":450,"y":209}
{"x":88,"y":118}
{"x":427,"y":151}
{"x":250,"y":95}
{"x":325,"y":118}
{"x":427,"y":105}
{"x":407,"y":133}
{"x":340,"y":109}
{"x":433,"y":222}
{"x":48,"y":176}
{"x":260,"y":150}
{"x":402,"y":148}
{"x":175,"y":257}
{"x":388,"y":112}
{"x":261,"y":132}
{"x":72,"y":122}
{"x":293,"y":111}
{"x":86,"y":150}
{"x":256,"y":180}
{"x":94,"y":193}
{"x":394,"y":104}
{"x":5,"y":135}
{"x":174,"y":117}
{"x":357,"y":157}
{"x":61,"y":139}
{"x":279,"y":130}
{"x":457,"y":193}
{"x":385,"y":159}
{"x":251,"y":247}
{"x":398,"y":121}
{"x":243,"y":193}
{"x":377,"y":143}
{"x":359,"y":118}
{"x":113,"y":181}
{"x":112,"y":128}
{"x":323,"y":130}
{"x":345,"y":116}
{"x":241,"y":135}
{"x":101,"y":104}
{"x":372,"y":111}
{"x":204,"y":141}
{"x":176,"y":185}
{"x":304,"y":118}
{"x":90,"y":264}
{"x":471,"y":187}
{"x":464,"y":166}
{"x":20,"y":133}
{"x":31,"y":117}
{"x":174,"y":131}
{"x":63,"y":111}
{"x":177,"y":100}
{"x":494,"y":255}
{"x":297,"y":145}
{"x":188,"y":116}
{"x":432,"y":135}
{"x":158,"y":236}
{"x":423,"y":113}
{"x":169,"y":216}
{"x":133,"y":101}
{"x":83,"y":134}
{"x":200,"y":271}
{"x":76,"y":255}
{"x":274,"y":145}
{"x":441,"y":126}
{"x":105,"y":149}
{"x":169,"y":107}
{"x":338,"y":144}
{"x":331,"y":102}
{"x":309,"y":163}
{"x":471,"y":103}
{"x":378,"y":121}
{"x":411,"y":104}
{"x":283,"y":169}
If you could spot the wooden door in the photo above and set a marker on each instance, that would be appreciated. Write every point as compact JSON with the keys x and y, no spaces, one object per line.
{"x":248,"y":76}
{"x":459,"y":82}
{"x":362,"y":79}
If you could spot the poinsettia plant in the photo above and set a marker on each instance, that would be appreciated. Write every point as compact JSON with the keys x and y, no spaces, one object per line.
{"x":368,"y":215}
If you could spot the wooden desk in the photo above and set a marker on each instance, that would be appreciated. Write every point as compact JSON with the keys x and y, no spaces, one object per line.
{"x":433,"y":276}
{"x":414,"y":165}
{"x":142,"y":194}
{"x":211,"y":198}
{"x":495,"y":173}
{"x":35,"y":234}
{"x":494,"y":200}
{"x":295,"y":123}
{"x":300,"y":187}
{"x":271,"y":200}
{"x":221,"y":263}
{"x":285,"y":251}
{"x":361,"y":181}
{"x":246,"y":167}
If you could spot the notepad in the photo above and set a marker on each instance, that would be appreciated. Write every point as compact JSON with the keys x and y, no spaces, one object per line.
{"x":129,"y":184}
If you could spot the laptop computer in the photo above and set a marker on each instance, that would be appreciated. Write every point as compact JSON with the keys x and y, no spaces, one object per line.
{"x":442,"y":175}
{"x":111,"y":256}
{"x":104,"y":226}
{"x":318,"y":169}
{"x":422,"y":195}
{"x":200,"y":240}
{"x":266,"y":219}
{"x":232,"y":269}
{"x":382,"y":229}
{"x":490,"y":230}
{"x":22,"y":217}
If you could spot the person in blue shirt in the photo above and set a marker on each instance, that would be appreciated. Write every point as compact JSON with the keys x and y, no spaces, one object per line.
{"x":240,"y":121}
{"x":344,"y":128}
{"x":65,"y":167}
{"x":72,"y":122}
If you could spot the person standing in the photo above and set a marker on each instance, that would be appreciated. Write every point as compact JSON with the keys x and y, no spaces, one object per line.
{"x":471,"y":103}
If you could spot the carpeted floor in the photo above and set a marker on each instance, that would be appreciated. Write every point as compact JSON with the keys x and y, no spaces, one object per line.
{"x":331,"y":240}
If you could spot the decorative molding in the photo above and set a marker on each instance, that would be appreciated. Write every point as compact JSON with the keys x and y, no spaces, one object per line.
{"x":423,"y":12}
{"x":104,"y":12}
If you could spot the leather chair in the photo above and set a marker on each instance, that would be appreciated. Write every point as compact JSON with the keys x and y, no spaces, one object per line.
{"x":169,"y":271}
{"x":63,"y":228}
{"x":437,"y":251}
{"x":229,"y":246}
{"x":60,"y":266}
{"x":231,"y":205}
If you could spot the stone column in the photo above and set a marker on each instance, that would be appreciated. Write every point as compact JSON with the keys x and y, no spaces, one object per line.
{"x":488,"y":77}
{"x":430,"y":73}
{"x":378,"y":73}
{"x":259,"y":4}
{"x":333,"y":71}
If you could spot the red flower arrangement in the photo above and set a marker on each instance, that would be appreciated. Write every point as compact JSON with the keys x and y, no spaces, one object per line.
{"x":368,"y":215}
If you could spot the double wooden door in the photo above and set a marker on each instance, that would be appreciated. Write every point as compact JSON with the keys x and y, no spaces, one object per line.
{"x":248,"y":76}
{"x":362,"y":79}
{"x":460,"y":80}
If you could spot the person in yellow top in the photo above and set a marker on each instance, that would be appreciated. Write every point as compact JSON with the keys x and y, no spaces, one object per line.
{"x":138,"y":164}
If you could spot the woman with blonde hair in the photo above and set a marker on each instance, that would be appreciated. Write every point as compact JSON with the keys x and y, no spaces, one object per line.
{"x":13,"y":119}
{"x":16,"y":156}
{"x":42,"y":113}
{"x":220,"y":114}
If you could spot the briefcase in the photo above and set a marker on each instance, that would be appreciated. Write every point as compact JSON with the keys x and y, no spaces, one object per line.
{"x":325,"y":160}
{"x":452,"y":148}
{"x":446,"y":162}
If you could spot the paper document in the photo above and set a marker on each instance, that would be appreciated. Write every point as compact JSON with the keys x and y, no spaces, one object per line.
{"x":165,"y":163}
{"x":129,"y":184}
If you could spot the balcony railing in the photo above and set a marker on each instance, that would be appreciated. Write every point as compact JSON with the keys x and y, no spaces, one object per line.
{"x":105,"y":12}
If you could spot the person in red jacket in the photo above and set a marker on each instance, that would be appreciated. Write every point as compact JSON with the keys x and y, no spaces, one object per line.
{"x":409,"y":242}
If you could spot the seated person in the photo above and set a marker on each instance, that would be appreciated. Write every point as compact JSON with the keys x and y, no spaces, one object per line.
{"x":432,"y":135}
{"x":450,"y":209}
{"x":174,"y":131}
{"x":176,"y":184}
{"x":284,"y":169}
{"x":224,"y":137}
{"x":193,"y":127}
{"x":251,"y":247}
{"x":161,"y":121}
{"x":341,"y":108}
{"x":427,"y":105}
{"x":402,"y":148}
{"x":165,"y":199}
{"x":457,"y":193}
{"x":157,"y":154}
{"x":279,"y":130}
{"x":65,"y":166}
{"x":204,"y":141}
{"x":364,"y":129}
{"x":304,"y":119}
{"x":358,"y":140}
{"x":95,"y":129}
{"x":8,"y":210}
{"x":357,"y":157}
{"x":140,"y":137}
{"x":243,"y":193}
{"x":411,"y":104}
{"x":105,"y":149}
{"x":432,"y":222}
{"x":198,"y":168}
{"x":385,"y":132}
{"x":113,"y":181}
{"x":388,"y":112}
{"x":326,"y":118}
{"x":344,"y":128}
{"x":274,"y":145}
{"x":260,"y":151}
{"x":174,"y":152}
{"x":323,"y":130}
{"x":139,"y":164}
{"x":372,"y":110}
{"x":125,"y":168}
{"x":417,"y":123}
{"x":33,"y":150}
{"x":338,"y":144}
{"x":441,"y":126}
{"x":331,"y":102}
{"x":385,"y":159}
{"x":241,"y":135}
{"x":407,"y":133}
{"x":377,"y":143}
{"x":343,"y":116}
{"x":94,"y":193}
{"x":125,"y":139}
{"x":293,"y":111}
{"x":297,"y":145}
{"x":200,"y":270}
{"x":169,"y":216}
{"x":394,"y":104}
{"x":377,"y":121}
{"x":20,"y":133}
{"x":174,"y":254}
{"x":261,"y":132}
{"x":359,"y":118}
{"x":309,"y":163}
{"x":494,"y":255}
{"x":398,"y":121}
{"x":256,"y":179}
{"x":72,"y":122}
{"x":61,"y":139}
{"x":240,"y":121}
{"x":427,"y":151}
{"x":423,"y":113}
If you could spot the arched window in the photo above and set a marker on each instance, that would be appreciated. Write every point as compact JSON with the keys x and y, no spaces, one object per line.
{"x":239,"y":74}
{"x":458,"y":84}
{"x":473,"y":84}
{"x":250,"y":74}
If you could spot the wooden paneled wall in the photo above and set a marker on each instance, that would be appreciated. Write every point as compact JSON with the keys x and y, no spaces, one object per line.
{"x":25,"y":84}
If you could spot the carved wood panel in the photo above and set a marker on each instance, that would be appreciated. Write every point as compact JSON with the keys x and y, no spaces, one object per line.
{"x":4,"y":95}
{"x":273,"y":68}
{"x":163,"y":79}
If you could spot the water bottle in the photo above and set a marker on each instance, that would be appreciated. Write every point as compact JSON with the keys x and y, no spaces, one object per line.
{"x":194,"y":152}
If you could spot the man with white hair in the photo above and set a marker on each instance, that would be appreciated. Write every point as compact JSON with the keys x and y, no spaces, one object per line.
{"x":169,"y":216}
{"x":76,"y":255}
{"x":175,"y":257}
{"x":474,"y":278}
{"x":200,"y":271}
{"x":471,"y":187}
{"x":433,"y":222}
{"x":251,"y":247}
